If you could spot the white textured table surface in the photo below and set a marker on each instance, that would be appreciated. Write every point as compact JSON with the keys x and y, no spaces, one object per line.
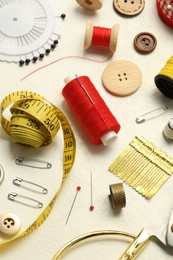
{"x":139,"y":212}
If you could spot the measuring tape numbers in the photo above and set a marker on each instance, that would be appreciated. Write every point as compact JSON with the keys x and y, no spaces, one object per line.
{"x":35,"y":122}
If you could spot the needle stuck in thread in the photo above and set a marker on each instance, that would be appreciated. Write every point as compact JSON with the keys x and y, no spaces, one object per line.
{"x":77,"y":190}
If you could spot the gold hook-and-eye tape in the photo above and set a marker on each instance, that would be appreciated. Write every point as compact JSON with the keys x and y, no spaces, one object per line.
{"x":117,"y":197}
{"x":35,"y":122}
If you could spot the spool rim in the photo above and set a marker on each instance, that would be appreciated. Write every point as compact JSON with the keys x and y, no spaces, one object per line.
{"x":114,"y":38}
{"x":88,"y":35}
{"x":95,"y":4}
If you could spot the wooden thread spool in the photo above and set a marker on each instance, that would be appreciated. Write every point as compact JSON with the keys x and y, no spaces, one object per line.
{"x":91,"y":110}
{"x":98,"y":36}
{"x":90,"y":4}
{"x":168,"y":131}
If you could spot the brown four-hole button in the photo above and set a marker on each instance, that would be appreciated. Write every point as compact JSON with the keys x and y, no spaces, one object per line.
{"x":145,"y":42}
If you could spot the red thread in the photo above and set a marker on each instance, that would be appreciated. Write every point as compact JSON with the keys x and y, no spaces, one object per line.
{"x":101,"y":36}
{"x":90,"y":109}
{"x":63,"y":58}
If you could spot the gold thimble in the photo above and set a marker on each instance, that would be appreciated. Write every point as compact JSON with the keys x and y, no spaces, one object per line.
{"x":117,"y":197}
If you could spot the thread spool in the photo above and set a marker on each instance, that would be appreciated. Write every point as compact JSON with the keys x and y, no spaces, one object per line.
{"x":99,"y":36}
{"x":117,"y":197}
{"x":90,"y":4}
{"x":164,"y":79}
{"x":168,"y":131}
{"x":91,"y":110}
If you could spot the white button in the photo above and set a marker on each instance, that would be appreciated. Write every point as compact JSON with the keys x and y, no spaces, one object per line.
{"x":168,"y":7}
{"x":10,"y":224}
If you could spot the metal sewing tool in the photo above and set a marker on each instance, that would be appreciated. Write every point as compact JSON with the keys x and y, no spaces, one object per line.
{"x":141,"y":119}
{"x":37,"y":188}
{"x":117,"y":196}
{"x":163,"y":232}
{"x":91,"y":185}
{"x":84,"y":89}
{"x":33,"y":163}
{"x":2,"y":173}
{"x":143,"y":166}
{"x":77,"y":191}
{"x":23,"y":200}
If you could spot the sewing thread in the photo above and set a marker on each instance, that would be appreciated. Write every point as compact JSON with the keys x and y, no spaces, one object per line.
{"x":164,"y":80}
{"x":90,"y":109}
{"x":100,"y":36}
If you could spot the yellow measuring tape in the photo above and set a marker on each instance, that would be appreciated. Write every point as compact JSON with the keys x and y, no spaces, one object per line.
{"x":35,"y":122}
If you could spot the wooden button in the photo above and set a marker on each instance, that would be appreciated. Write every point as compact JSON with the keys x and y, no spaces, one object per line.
{"x":90,"y":4}
{"x":145,"y":42}
{"x":122,"y":78}
{"x":9,"y":224}
{"x":129,"y":7}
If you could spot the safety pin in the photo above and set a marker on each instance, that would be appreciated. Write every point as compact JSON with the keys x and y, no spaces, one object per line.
{"x":2,"y":173}
{"x":36,"y":204}
{"x":17,"y":181}
{"x":34,"y":163}
{"x":140,"y":119}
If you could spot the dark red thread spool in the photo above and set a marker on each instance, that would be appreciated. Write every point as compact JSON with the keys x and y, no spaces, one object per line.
{"x":90,"y":109}
{"x":100,"y":36}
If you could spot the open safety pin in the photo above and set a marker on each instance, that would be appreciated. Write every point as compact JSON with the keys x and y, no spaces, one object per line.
{"x":22,"y":200}
{"x":34,"y":163}
{"x":140,"y":119}
{"x":41,"y":190}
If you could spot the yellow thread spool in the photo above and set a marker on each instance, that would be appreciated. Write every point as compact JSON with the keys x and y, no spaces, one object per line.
{"x":164,"y":79}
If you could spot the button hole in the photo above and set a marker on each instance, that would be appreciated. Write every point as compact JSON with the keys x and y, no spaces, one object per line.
{"x":119,"y":75}
{"x":124,"y":74}
{"x":125,"y":78}
{"x":132,"y":2}
{"x":120,"y":79}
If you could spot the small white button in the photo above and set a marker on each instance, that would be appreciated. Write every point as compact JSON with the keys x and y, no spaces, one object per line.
{"x":168,"y":7}
{"x":10,"y":224}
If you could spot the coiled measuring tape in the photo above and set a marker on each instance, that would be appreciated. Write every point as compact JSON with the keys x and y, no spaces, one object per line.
{"x":35,"y":122}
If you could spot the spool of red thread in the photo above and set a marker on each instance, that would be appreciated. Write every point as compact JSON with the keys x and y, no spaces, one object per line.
{"x":100,"y":36}
{"x":90,"y":109}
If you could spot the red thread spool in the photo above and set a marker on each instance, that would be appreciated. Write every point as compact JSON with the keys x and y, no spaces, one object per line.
{"x":90,"y":109}
{"x":99,"y":36}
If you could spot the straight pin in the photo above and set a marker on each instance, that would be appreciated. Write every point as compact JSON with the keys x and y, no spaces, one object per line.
{"x":91,"y":186}
{"x":77,"y":190}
